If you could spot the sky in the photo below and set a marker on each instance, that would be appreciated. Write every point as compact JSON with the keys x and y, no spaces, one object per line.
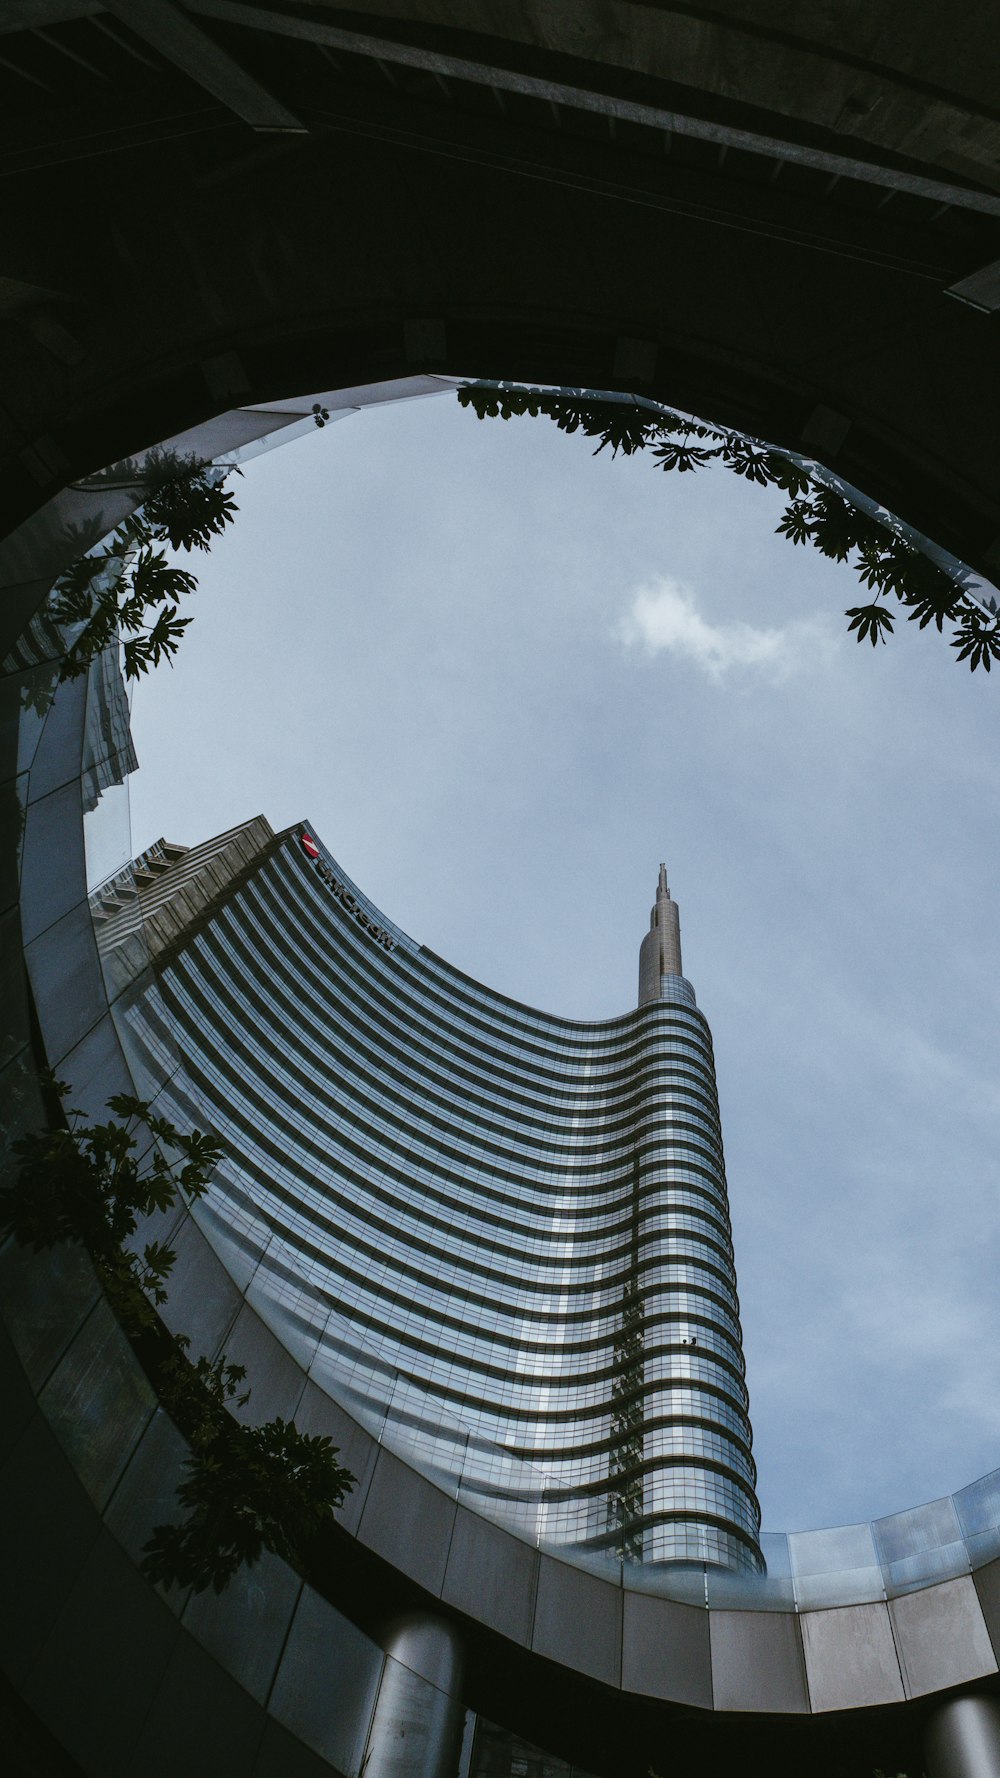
{"x":503,"y":678}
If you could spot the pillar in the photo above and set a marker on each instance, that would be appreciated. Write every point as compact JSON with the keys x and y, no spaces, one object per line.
{"x":962,"y":1738}
{"x":416,"y":1730}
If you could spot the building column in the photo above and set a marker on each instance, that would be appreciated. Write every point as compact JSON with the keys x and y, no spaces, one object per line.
{"x":962,"y":1738}
{"x":416,"y":1730}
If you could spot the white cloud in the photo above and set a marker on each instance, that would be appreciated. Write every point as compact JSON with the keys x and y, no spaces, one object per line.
{"x":665,"y":616}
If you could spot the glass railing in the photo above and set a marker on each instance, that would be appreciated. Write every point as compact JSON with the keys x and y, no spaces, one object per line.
{"x":839,"y":1565}
{"x":805,"y":1570}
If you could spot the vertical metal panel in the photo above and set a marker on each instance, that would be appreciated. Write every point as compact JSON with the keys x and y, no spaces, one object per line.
{"x":101,"y":1663}
{"x":274,"y":1378}
{"x":146,"y":1495}
{"x":408,"y":1522}
{"x":53,"y":871}
{"x":66,"y":981}
{"x":199,"y":1720}
{"x":54,"y":1527}
{"x":57,"y":757}
{"x":578,"y":1620}
{"x":44,"y":1300}
{"x":202,"y":1303}
{"x":491,"y":1575}
{"x":98,"y":1402}
{"x":666,"y":1651}
{"x":987,"y":1584}
{"x":96,"y":1069}
{"x":850,"y":1657}
{"x":283,"y":1755}
{"x":757,"y":1661}
{"x":17,"y":1396}
{"x":245,"y":1627}
{"x":356,"y":1449}
{"x":327,"y":1682}
{"x":941,"y":1637}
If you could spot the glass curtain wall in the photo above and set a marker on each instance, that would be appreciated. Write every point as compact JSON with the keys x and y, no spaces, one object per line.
{"x":502,"y":1238}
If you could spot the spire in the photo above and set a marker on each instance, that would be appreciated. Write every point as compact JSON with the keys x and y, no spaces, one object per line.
{"x":660,"y":951}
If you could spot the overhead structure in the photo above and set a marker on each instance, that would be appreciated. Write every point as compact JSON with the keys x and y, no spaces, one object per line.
{"x":758,"y":213}
{"x":784,"y":219}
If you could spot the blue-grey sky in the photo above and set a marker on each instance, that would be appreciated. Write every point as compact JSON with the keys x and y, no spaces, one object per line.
{"x":503,"y":678}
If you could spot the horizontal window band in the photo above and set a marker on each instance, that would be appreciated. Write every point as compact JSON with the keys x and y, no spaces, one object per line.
{"x":359,"y":963}
{"x":646,"y":1153}
{"x":581,"y":1204}
{"x":417,"y":1342}
{"x":209,"y":997}
{"x":742,"y":1505}
{"x":536,"y":1470}
{"x":623,"y":1140}
{"x":478,"y":1001}
{"x":726,"y":1311}
{"x":260,"y":1140}
{"x":654,"y":1196}
{"x":711,"y":1370}
{"x":633,"y":1257}
{"x":338,"y":1271}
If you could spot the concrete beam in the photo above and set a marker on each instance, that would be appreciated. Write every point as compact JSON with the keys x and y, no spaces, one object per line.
{"x":34,"y":15}
{"x":981,"y":290}
{"x":188,"y":47}
{"x":722,"y":135}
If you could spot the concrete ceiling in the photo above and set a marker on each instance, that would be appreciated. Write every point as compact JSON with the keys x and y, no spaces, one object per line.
{"x":763,"y":216}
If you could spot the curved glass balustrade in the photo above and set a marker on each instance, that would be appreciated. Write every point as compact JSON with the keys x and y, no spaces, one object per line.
{"x":835,"y":1566}
{"x":839,"y":1565}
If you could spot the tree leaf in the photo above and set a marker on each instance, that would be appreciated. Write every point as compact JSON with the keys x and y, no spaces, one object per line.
{"x":872,"y":622}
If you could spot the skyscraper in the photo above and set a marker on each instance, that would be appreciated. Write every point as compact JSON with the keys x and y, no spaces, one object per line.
{"x":500,"y":1236}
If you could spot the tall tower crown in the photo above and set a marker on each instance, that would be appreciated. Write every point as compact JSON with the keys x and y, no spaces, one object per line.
{"x":660,"y":951}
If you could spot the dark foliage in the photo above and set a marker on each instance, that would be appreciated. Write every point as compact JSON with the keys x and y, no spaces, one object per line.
{"x":679,"y":453}
{"x":246,"y":1488}
{"x":872,"y":622}
{"x":816,"y":514}
{"x":190,"y":509}
{"x":978,"y":638}
{"x":128,"y":587}
{"x":93,"y":1183}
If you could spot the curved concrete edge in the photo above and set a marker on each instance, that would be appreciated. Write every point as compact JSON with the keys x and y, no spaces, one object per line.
{"x":771,"y":1662}
{"x":775,"y":1663}
{"x":267,"y":1678}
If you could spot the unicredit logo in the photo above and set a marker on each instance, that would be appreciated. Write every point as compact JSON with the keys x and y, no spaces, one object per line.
{"x":344,"y":896}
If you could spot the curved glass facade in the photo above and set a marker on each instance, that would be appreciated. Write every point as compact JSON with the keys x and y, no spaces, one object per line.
{"x":501,"y":1237}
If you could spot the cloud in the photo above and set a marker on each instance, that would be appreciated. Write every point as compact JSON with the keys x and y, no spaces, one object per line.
{"x":664,"y":616}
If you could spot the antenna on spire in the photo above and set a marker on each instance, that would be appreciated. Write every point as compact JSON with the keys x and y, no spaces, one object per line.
{"x":660,"y":951}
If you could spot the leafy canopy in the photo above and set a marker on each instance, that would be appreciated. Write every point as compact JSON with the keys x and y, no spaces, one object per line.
{"x":92,"y":1183}
{"x":128,"y":588}
{"x":875,"y":547}
{"x":247,"y":1489}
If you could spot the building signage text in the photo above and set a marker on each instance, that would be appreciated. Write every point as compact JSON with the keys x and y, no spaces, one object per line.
{"x":344,"y":896}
